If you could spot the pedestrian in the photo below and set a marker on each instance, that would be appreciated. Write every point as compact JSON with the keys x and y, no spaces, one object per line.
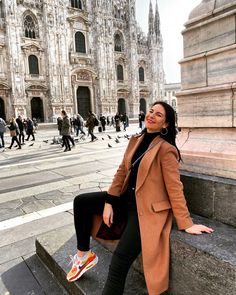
{"x":35,"y":123}
{"x":79,"y":124}
{"x":91,"y":122}
{"x":141,"y":118}
{"x":29,"y":129}
{"x":146,"y":191}
{"x":117,"y":121}
{"x":125,"y":121}
{"x":21,"y":127}
{"x":2,"y":131}
{"x":103,"y":122}
{"x":65,"y":131}
{"x":13,"y":133}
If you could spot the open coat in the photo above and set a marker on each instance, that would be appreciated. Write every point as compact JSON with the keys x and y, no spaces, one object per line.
{"x":159,"y":192}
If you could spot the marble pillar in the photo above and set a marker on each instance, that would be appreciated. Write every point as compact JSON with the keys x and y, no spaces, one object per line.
{"x":207,"y":100}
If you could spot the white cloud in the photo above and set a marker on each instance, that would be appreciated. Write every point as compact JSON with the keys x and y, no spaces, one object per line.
{"x":173,"y":15}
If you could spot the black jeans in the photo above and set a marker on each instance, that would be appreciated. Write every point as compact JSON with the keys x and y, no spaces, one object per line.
{"x":128,"y":248}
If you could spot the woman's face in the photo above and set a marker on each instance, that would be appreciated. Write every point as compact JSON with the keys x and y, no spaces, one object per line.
{"x":155,"y":119}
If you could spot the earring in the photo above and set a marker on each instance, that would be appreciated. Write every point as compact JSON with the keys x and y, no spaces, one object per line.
{"x":164,"y":131}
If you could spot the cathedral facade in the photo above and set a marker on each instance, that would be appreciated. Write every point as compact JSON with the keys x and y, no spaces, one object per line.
{"x":77,"y":55}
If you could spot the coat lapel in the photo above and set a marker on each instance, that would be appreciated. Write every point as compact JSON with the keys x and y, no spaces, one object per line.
{"x":146,"y":162}
{"x":136,"y":144}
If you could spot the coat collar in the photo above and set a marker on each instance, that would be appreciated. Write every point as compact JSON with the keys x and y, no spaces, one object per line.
{"x":147,"y":160}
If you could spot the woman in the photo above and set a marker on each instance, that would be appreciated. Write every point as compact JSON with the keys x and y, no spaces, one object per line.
{"x":65,"y":131}
{"x":147,"y":184}
{"x":14,"y":132}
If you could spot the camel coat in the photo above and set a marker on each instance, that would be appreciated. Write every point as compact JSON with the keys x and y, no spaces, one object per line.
{"x":159,"y":192}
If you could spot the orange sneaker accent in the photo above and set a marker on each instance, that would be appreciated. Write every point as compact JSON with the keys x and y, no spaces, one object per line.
{"x":80,"y":267}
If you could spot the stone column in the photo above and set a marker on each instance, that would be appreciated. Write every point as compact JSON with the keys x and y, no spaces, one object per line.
{"x":207,"y":101}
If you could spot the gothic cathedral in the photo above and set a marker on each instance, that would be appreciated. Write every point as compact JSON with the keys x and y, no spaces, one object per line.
{"x":77,"y":55}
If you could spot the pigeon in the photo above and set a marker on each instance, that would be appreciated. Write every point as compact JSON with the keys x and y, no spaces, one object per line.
{"x":76,"y":139}
{"x":31,"y":144}
{"x":102,"y":138}
{"x":46,"y":141}
{"x":118,"y":136}
{"x":117,"y":140}
{"x":109,"y":136}
{"x":109,"y":145}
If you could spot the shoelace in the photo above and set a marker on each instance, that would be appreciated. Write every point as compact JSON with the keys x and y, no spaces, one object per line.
{"x":72,"y":260}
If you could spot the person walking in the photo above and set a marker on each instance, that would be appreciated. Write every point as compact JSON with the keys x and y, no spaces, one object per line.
{"x":145,"y":194}
{"x":103,"y":122}
{"x":65,"y":130}
{"x":13,"y":133}
{"x":21,"y":127}
{"x":2,"y":131}
{"x":91,"y":122}
{"x":29,"y":129}
{"x":79,"y":124}
{"x":141,"y":118}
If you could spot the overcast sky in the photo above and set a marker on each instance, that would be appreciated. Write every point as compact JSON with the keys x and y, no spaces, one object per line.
{"x":173,"y":15}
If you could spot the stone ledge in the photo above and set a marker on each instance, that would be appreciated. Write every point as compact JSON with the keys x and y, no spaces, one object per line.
{"x":204,"y":264}
{"x":211,"y":197}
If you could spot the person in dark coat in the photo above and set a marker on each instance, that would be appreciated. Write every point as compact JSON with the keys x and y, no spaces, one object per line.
{"x":29,"y":129}
{"x":21,"y":127}
{"x":65,"y":130}
{"x":103,"y":122}
{"x":90,"y":124}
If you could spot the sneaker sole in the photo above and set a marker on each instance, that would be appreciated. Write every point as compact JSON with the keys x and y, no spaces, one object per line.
{"x":89,"y":266}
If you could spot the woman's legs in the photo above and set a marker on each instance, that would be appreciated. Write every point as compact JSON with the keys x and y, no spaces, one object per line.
{"x":126,"y":252}
{"x":85,"y":206}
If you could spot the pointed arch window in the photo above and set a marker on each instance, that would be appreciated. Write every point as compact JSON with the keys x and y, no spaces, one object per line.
{"x":30,"y":27}
{"x":33,"y":65}
{"x":76,"y":4}
{"x":141,"y":74}
{"x":120,"y":73}
{"x":119,"y":43}
{"x":80,"y":42}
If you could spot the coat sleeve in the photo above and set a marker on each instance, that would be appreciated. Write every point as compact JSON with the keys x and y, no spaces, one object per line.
{"x":174,"y":187}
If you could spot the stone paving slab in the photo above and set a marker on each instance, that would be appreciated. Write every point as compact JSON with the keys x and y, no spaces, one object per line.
{"x":17,"y":279}
{"x":45,"y":278}
{"x":17,"y":249}
{"x":34,"y":228}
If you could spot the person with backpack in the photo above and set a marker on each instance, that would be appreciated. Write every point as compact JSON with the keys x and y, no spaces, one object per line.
{"x":91,"y":122}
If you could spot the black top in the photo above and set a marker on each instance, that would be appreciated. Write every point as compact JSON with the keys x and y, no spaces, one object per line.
{"x":130,"y":192}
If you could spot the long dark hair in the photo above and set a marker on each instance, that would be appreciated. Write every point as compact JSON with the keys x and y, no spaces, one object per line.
{"x":170,"y":136}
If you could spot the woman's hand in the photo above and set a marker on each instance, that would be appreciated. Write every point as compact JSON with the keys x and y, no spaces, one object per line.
{"x":198,"y":229}
{"x":108,"y":214}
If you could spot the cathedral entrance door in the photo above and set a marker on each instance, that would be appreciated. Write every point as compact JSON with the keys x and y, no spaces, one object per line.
{"x":2,"y":109}
{"x":37,"y":109}
{"x":121,"y":106}
{"x":143,"y":105}
{"x":83,"y":101}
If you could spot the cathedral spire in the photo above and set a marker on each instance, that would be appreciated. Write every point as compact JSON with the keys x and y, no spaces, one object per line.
{"x":150,"y":20}
{"x":157,"y":22}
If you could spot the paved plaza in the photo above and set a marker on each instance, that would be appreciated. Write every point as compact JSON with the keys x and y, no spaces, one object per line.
{"x":38,"y":184}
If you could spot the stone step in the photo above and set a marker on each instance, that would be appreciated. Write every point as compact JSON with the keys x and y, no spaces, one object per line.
{"x":54,"y":249}
{"x":204,"y":264}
